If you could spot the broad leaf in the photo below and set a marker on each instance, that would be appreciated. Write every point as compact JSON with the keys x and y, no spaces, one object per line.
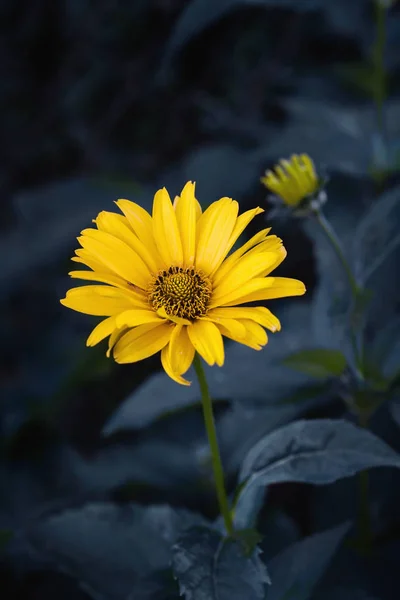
{"x":333,"y":134}
{"x":279,"y":531}
{"x":209,"y":567}
{"x":200,"y":14}
{"x":385,"y":349}
{"x":246,"y":422}
{"x":318,"y":363}
{"x":108,"y":547}
{"x":318,"y":452}
{"x":377,"y":235}
{"x":160,"y":585}
{"x":295,"y":571}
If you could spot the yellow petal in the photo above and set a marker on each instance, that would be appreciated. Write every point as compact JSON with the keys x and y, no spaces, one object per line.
{"x":214,"y":230}
{"x":108,"y":278}
{"x":274,"y":287}
{"x":117,"y":256}
{"x":142,"y":341}
{"x":101,"y":331}
{"x":257,"y":285}
{"x":86,"y":258}
{"x":178,"y":320}
{"x":234,"y":257}
{"x":199,"y":210}
{"x":197,"y":204}
{"x":247,"y":268}
{"x":134,"y":294}
{"x":246,"y":340}
{"x":177,"y":357}
{"x":255,"y":336}
{"x":113,"y":339}
{"x":138,"y":218}
{"x":229,"y":324}
{"x":114,"y":224}
{"x":241,"y":223}
{"x":141,"y":223}
{"x":255,"y":333}
{"x":259,"y":314}
{"x":207,"y":341}
{"x":280,"y":256}
{"x":272,"y":243}
{"x":134,"y":317}
{"x":165,"y":229}
{"x":117,"y":226}
{"x":99,"y":300}
{"x":296,"y":179}
{"x":185,"y":210}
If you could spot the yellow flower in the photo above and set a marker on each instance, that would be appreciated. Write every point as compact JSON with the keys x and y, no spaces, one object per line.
{"x":167,"y":284}
{"x":292,"y":180}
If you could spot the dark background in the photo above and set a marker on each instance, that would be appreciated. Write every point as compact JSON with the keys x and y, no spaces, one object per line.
{"x":102,"y":100}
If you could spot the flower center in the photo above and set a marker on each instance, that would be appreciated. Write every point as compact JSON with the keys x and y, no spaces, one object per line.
{"x":182,"y":292}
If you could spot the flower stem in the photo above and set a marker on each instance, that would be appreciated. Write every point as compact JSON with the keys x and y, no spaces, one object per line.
{"x":212,"y":439}
{"x":332,"y":237}
{"x":355,"y":290}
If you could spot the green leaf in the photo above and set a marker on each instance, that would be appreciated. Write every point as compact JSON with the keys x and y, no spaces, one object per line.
{"x":210,"y":566}
{"x":297,"y":569}
{"x":249,"y":538}
{"x":109,"y":547}
{"x":377,"y":235}
{"x":159,"y":585}
{"x":320,"y":451}
{"x":198,"y":15}
{"x":319,"y":363}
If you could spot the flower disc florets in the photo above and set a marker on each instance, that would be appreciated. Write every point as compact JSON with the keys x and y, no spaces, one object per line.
{"x":182,"y":292}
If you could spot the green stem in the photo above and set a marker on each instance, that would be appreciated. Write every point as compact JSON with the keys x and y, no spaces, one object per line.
{"x":213,"y":441}
{"x":334,"y":240}
{"x":355,"y":290}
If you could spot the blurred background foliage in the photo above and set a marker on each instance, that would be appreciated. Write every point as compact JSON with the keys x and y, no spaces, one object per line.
{"x":109,"y":99}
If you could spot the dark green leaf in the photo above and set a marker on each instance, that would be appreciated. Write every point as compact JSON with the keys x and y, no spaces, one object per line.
{"x":377,"y":235}
{"x":109,"y":547}
{"x":385,"y":349}
{"x":318,"y":452}
{"x":198,"y":15}
{"x":249,"y":538}
{"x":160,"y":585}
{"x":295,"y":571}
{"x":209,"y":567}
{"x":318,"y":363}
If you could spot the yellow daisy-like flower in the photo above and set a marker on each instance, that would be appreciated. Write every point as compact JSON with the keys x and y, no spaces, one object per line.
{"x":168,"y":284}
{"x":292,"y":180}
